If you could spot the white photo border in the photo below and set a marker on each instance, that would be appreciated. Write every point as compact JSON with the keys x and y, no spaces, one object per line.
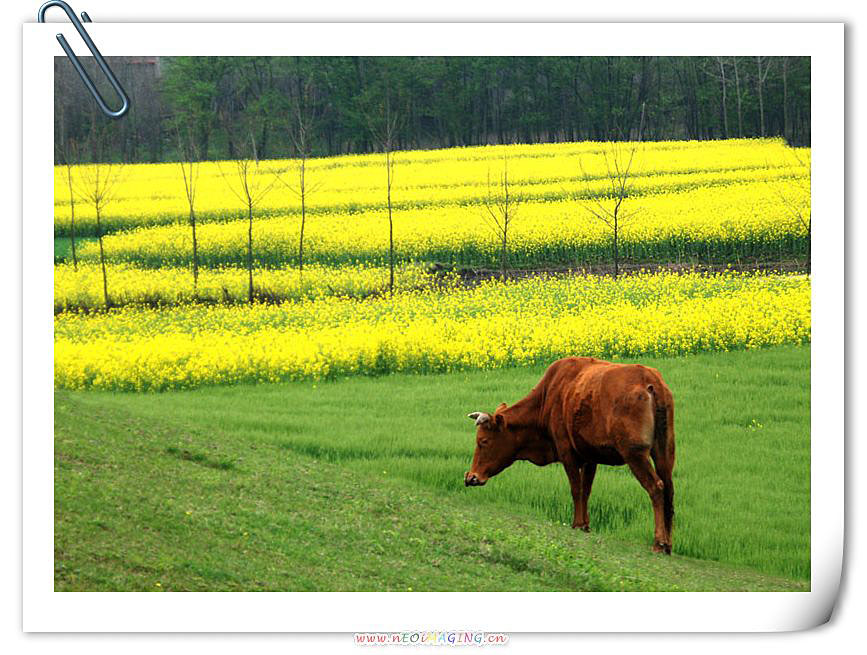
{"x":48,"y":611}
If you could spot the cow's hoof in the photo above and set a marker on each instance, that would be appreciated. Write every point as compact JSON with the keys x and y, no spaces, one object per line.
{"x":581,"y":526}
{"x":660,"y":547}
{"x":586,"y":528}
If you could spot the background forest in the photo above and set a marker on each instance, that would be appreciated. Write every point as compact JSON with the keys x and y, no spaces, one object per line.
{"x":440,"y":101}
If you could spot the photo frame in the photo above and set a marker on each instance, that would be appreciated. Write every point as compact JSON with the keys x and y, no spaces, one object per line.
{"x":47,"y":610}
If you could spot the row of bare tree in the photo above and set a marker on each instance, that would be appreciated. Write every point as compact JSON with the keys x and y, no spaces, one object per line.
{"x":250,"y":182}
{"x":95,"y":185}
{"x":501,"y":203}
{"x":500,"y":207}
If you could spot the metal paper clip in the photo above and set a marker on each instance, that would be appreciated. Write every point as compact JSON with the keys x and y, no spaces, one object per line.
{"x":96,"y":55}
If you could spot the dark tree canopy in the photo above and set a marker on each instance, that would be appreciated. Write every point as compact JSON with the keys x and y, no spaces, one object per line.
{"x":442,"y":101}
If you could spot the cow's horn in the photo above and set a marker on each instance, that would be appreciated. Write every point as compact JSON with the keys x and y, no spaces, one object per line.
{"x":479,"y":417}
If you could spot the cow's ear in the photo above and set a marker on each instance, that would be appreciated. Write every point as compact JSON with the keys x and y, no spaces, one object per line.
{"x":499,"y":419}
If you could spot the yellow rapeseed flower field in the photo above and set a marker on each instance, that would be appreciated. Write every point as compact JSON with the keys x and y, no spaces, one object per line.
{"x":491,"y":325}
{"x":148,"y":194}
{"x":709,"y":222}
{"x":131,"y":285}
{"x":694,"y":200}
{"x":724,"y":201}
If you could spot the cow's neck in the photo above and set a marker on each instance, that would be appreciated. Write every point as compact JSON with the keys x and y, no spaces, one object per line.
{"x":526,"y":412}
{"x":526,"y":416}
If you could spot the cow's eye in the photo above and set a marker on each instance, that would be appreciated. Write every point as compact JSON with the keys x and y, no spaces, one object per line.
{"x":483,"y":442}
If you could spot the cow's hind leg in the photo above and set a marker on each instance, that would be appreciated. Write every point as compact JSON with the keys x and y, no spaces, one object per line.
{"x":639,"y":463}
{"x":588,"y":472}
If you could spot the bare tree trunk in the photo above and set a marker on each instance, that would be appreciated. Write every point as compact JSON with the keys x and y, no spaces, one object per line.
{"x":190,"y":172}
{"x":725,"y":112}
{"x":263,"y":141}
{"x":250,"y":252}
{"x":785,"y":100}
{"x":506,"y":219}
{"x":230,"y":143}
{"x":761,"y":111}
{"x":608,"y":114}
{"x":102,"y":257}
{"x":618,"y":164}
{"x":388,"y":163}
{"x":385,"y":130}
{"x":303,"y":217}
{"x":300,"y":126}
{"x":616,"y":253}
{"x":71,"y":216}
{"x":809,"y":245}
{"x":500,"y":209}
{"x":195,"y":255}
{"x":738,"y":94}
{"x":250,"y":191}
{"x":759,"y":83}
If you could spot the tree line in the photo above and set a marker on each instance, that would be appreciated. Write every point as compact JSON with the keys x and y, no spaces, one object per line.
{"x":226,"y":102}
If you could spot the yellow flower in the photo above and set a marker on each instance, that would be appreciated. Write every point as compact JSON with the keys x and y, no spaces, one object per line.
{"x":494,"y":324}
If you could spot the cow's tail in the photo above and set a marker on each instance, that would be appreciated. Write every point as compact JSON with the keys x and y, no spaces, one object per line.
{"x":663,"y":445}
{"x":660,"y":422}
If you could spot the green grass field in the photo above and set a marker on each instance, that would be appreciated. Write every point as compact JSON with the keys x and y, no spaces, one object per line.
{"x":358,"y":485}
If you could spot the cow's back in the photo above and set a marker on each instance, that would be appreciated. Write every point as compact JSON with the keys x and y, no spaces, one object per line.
{"x":585,"y":399}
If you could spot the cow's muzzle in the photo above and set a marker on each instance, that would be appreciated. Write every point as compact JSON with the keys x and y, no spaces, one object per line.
{"x":472,"y":480}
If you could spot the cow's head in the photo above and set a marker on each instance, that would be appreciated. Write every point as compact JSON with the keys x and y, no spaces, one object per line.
{"x":496,"y":447}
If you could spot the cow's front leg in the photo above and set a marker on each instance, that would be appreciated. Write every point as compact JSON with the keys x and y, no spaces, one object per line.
{"x":576,"y":483}
{"x":588,"y":472}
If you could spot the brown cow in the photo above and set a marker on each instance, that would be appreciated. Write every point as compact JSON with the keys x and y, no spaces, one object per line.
{"x":585,"y":412}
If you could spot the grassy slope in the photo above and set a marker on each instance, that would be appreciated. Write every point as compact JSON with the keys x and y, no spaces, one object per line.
{"x":357,"y":485}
